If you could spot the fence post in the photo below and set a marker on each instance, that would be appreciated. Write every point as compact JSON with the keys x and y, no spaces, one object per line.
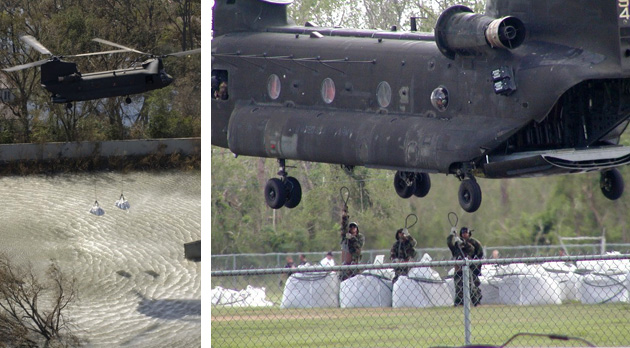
{"x":466,"y":281}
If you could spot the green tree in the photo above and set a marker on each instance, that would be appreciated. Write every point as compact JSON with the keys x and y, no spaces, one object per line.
{"x":67,"y":27}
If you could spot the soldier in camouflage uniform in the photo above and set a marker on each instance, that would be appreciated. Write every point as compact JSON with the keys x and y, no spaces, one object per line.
{"x":351,"y":244}
{"x":403,"y":250}
{"x":465,"y":246}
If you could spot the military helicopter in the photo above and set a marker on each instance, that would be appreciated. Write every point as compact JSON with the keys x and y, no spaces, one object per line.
{"x":528,"y":89}
{"x":68,"y":85}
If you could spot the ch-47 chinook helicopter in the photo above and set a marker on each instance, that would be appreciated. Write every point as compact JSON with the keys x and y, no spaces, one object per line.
{"x":68,"y":85}
{"x":530,"y":88}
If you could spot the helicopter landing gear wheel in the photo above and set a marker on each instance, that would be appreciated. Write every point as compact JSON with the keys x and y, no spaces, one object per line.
{"x":275,"y":193}
{"x":285,"y":191}
{"x":405,"y":184}
{"x":69,"y":106}
{"x":294,"y":192}
{"x":469,"y":195}
{"x":423,"y":184}
{"x":128,"y":100}
{"x":611,"y":184}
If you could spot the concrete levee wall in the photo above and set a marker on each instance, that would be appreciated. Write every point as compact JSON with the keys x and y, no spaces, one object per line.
{"x":89,"y":149}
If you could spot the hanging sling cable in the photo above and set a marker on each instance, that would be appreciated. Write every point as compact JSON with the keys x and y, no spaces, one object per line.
{"x":346,"y":258}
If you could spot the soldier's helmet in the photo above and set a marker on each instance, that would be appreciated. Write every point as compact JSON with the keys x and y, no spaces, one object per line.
{"x":398,"y":232}
{"x":354,"y":224}
{"x":465,"y":229}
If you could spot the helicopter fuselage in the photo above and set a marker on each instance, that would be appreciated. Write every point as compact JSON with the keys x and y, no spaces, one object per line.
{"x":490,"y":95}
{"x":68,"y":85}
{"x":382,"y":115}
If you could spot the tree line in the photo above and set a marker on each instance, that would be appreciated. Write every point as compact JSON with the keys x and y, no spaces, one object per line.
{"x":513,"y":212}
{"x":534,"y":211}
{"x":67,"y":27}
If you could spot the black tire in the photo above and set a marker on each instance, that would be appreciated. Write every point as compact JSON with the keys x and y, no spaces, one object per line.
{"x":275,"y":193}
{"x":469,"y":195}
{"x":294,"y":192}
{"x":404,"y":184}
{"x":423,"y":184}
{"x":611,"y":184}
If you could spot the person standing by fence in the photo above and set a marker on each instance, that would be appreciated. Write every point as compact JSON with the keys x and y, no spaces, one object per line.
{"x":352,"y":241}
{"x":328,"y":260}
{"x":403,"y":250}
{"x":465,"y":247}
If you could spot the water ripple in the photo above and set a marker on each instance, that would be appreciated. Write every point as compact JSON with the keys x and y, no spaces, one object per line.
{"x":135,"y":287}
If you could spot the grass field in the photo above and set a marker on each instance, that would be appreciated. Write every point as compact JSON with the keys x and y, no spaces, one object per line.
{"x":602,"y":324}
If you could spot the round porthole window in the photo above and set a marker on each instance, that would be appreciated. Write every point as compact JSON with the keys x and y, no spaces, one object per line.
{"x":328,"y":90}
{"x":439,"y":98}
{"x":384,"y":94}
{"x":273,"y":86}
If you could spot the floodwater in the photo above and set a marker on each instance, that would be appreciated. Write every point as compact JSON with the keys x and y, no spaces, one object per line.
{"x":135,"y":287}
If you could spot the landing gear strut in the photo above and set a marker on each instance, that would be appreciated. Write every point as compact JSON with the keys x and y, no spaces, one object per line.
{"x":409,"y":184}
{"x":611,"y":183}
{"x":285,"y":191}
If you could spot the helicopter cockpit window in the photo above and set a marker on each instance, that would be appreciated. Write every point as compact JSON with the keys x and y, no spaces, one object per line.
{"x":274,"y":86}
{"x":439,"y":98}
{"x":328,"y":90}
{"x":384,"y":94}
{"x":220,"y":84}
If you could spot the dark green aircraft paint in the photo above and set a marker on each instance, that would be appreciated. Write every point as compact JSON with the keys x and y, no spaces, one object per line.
{"x":530,"y":88}
{"x":66,"y":84}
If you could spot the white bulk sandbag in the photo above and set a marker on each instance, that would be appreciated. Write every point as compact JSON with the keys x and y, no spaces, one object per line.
{"x":604,"y":266}
{"x":489,"y":270}
{"x":311,"y":290}
{"x":421,"y":292}
{"x":221,"y":296}
{"x":365,"y":290}
{"x":568,"y":281}
{"x":604,"y":288}
{"x":529,"y":290}
{"x":424,"y":273}
{"x":490,"y":289}
{"x":249,"y":297}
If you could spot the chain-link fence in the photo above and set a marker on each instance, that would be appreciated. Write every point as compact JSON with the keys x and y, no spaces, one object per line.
{"x":273,"y":260}
{"x":485,"y":302}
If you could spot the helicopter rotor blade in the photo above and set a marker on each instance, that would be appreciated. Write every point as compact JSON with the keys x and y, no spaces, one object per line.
{"x":31,"y":41}
{"x":27,"y":65}
{"x":117,"y":45}
{"x":183,"y":53}
{"x":98,"y":53}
